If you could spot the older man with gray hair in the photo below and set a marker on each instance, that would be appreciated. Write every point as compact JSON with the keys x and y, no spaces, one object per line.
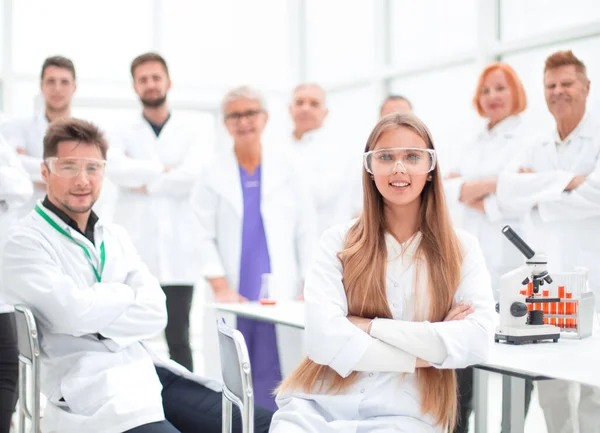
{"x":334,"y":171}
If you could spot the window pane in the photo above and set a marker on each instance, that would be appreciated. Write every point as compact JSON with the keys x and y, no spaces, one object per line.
{"x":443,"y":100}
{"x":352,"y":115}
{"x":227,"y":42}
{"x":424,"y":31}
{"x":100,"y":37}
{"x":1,"y":38}
{"x":340,"y":38}
{"x":530,"y":67}
{"x":522,"y":19}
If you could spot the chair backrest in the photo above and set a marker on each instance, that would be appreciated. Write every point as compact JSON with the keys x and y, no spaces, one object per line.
{"x":235,"y":365}
{"x":29,"y":355}
{"x":27,"y":334}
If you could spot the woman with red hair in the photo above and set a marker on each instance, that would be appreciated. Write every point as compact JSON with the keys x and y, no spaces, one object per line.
{"x":471,"y":186}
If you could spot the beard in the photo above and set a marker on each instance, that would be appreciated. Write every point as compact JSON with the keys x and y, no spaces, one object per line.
{"x":154,"y":102}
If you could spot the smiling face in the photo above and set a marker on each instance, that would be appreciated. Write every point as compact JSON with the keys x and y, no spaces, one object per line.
{"x":245,"y":121}
{"x":566,"y":92}
{"x":308,"y":108}
{"x":74,"y":194}
{"x":400,"y":189}
{"x":496,"y":98}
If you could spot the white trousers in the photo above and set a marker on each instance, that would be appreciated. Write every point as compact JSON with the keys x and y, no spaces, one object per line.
{"x":570,"y":407}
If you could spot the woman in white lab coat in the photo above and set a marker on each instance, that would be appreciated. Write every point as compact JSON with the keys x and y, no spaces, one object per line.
{"x":394,"y":301}
{"x":15,"y":190}
{"x":257,"y":220}
{"x":471,"y":187}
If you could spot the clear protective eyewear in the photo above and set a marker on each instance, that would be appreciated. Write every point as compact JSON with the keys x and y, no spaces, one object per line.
{"x":384,"y":162}
{"x":72,"y":166}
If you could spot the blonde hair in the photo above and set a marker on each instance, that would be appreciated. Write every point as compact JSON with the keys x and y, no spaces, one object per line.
{"x":364,"y":259}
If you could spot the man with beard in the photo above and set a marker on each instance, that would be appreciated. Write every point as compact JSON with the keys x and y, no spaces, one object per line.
{"x":154,"y":162}
{"x":57,"y":86}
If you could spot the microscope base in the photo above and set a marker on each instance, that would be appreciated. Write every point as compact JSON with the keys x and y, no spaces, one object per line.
{"x":521,"y":339}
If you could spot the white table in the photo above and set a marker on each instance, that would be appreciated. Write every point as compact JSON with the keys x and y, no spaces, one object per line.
{"x":569,"y":359}
{"x":289,"y":313}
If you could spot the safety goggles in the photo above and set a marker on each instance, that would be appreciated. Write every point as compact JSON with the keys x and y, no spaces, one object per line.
{"x":384,"y":162}
{"x":72,"y":166}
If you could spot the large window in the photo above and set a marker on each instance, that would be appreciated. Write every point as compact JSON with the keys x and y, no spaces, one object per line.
{"x":340,"y":39}
{"x":443,"y":99}
{"x":523,"y":19}
{"x":227,"y":42}
{"x":433,"y":29}
{"x":100,"y":37}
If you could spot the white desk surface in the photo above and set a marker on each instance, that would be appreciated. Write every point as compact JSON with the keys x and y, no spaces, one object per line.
{"x":289,"y":313}
{"x":569,"y":359}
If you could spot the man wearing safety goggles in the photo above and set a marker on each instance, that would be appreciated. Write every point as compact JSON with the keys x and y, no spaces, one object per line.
{"x":96,"y":303}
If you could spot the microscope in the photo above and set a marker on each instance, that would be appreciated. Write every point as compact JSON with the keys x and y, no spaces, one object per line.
{"x":518,"y":323}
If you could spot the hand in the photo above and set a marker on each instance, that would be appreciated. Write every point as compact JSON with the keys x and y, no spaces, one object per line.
{"x":226,"y":294}
{"x":21,"y":151}
{"x":452,"y":175}
{"x":459,"y":312}
{"x":167,"y":169}
{"x":361,"y":323}
{"x":477,"y":189}
{"x":300,"y":297}
{"x":477,"y":205}
{"x":140,"y":189}
{"x":575,"y":182}
{"x":526,"y":170}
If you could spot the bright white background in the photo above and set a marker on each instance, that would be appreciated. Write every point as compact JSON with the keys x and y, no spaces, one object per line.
{"x":430,"y":51}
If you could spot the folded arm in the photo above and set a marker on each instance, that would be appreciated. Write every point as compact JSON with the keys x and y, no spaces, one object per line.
{"x":32,"y":275}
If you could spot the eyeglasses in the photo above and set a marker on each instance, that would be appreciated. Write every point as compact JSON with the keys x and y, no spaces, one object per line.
{"x":384,"y":162}
{"x":72,"y":166}
{"x":236,"y":115}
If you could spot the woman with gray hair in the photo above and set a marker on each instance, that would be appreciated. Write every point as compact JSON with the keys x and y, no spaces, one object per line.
{"x":258,"y":225}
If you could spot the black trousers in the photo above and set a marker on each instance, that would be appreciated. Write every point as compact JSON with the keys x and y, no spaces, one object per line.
{"x":465,"y":398}
{"x":9,"y":369}
{"x":192,"y":408}
{"x":179,"y":305}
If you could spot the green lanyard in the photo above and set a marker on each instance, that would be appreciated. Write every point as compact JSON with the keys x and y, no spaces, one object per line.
{"x":85,"y":250}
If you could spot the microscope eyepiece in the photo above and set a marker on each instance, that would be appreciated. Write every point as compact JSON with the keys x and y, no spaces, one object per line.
{"x":518,"y":242}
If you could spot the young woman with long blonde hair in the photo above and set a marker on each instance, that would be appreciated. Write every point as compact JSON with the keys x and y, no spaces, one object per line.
{"x":394,"y":301}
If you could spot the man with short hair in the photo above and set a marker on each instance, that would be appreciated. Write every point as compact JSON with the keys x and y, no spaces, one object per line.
{"x":155,"y":161}
{"x":314,"y":149}
{"x":557,"y":183}
{"x":58,"y":85}
{"x":395,"y":104}
{"x":95,"y":303}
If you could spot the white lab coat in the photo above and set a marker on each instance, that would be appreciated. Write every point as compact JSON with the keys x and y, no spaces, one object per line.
{"x":15,"y":190}
{"x":331,"y":173}
{"x":108,"y":386}
{"x":566,"y":226}
{"x":380,"y":400}
{"x":161,"y":223}
{"x":486,"y":157}
{"x":289,"y":222}
{"x":28,"y":133}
